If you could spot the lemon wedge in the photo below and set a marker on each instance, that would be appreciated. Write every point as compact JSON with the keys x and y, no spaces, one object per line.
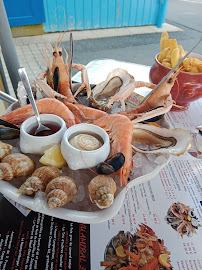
{"x":120,"y":252}
{"x":53,"y":157}
{"x":163,"y":259}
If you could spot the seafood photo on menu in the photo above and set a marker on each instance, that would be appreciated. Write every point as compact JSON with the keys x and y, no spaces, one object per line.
{"x":182,"y":219}
{"x":141,"y":250}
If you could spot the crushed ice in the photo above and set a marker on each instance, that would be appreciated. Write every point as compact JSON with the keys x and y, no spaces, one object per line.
{"x":146,"y":163}
{"x":40,"y":201}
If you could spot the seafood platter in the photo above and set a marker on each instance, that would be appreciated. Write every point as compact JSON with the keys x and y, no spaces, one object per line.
{"x":137,"y":142}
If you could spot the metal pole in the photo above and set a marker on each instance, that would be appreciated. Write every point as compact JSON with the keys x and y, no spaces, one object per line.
{"x":3,"y":78}
{"x":7,"y":98}
{"x":8,"y":48}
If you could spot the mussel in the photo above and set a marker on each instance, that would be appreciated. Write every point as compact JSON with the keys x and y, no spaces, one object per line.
{"x":112,"y":164}
{"x":8,"y":131}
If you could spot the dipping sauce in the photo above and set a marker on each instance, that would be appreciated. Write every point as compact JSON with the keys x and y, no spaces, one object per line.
{"x":86,"y":141}
{"x":54,"y":127}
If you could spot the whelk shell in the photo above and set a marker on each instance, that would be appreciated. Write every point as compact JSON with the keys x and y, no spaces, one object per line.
{"x":16,"y":165}
{"x":5,"y":149}
{"x":101,"y":94}
{"x":39,"y":180}
{"x":101,"y":191}
{"x":60,"y":191}
{"x":152,"y":139}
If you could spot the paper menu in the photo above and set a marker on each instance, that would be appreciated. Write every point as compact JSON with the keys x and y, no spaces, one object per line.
{"x":25,"y":211}
{"x":188,"y":119}
{"x":41,"y":242}
{"x":149,"y":203}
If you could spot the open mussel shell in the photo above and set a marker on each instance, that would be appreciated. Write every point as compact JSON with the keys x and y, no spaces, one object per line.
{"x":152,"y":139}
{"x":104,"y":168}
{"x":8,"y":131}
{"x":111,"y":165}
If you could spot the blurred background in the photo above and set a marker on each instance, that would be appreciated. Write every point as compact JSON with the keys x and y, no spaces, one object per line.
{"x":125,"y":30}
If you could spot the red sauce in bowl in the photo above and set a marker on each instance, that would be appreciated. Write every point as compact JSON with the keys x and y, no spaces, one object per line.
{"x":54,"y":127}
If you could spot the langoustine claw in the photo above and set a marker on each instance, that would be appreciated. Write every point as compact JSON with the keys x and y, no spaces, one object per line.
{"x":84,"y":79}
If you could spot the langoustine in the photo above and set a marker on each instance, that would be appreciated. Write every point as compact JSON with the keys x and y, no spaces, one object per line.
{"x":58,"y":75}
{"x":120,"y":131}
{"x":160,"y":97}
